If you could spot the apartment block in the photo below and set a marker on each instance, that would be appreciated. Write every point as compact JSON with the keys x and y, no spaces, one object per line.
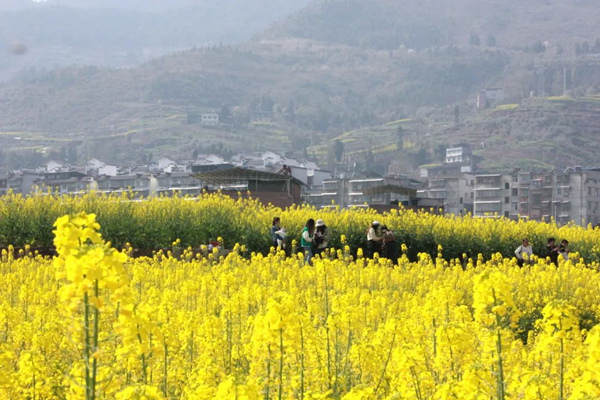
{"x":577,"y":196}
{"x":492,"y":195}
{"x":382,"y":192}
{"x":569,"y":196}
{"x":456,"y":192}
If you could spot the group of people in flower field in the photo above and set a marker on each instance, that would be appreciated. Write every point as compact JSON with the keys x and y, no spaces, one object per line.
{"x":380,"y":239}
{"x":315,"y":239}
{"x":524,"y":252}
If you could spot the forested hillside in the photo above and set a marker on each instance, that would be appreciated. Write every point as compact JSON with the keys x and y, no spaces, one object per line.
{"x":389,"y":24}
{"x":333,"y":68}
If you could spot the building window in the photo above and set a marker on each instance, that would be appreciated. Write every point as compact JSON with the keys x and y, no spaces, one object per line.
{"x":489,"y":207}
{"x":515,"y":206}
{"x":461,"y":200}
{"x":488,"y":180}
{"x":490,"y":193}
{"x":506,"y":200}
{"x":506,"y":185}
{"x":515,"y":192}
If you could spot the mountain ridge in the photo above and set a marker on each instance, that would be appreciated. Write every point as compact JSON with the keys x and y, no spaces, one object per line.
{"x":296,"y":93}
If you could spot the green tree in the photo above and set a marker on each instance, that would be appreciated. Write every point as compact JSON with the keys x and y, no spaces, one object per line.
{"x":400,"y":138}
{"x":538,"y":47}
{"x":585,"y":48}
{"x":421,"y":157}
{"x":338,"y":150}
{"x":456,"y":114}
{"x":596,"y":48}
{"x":474,"y":39}
{"x":225,"y":113}
{"x":299,"y":142}
{"x":290,"y":111}
{"x":369,"y":160}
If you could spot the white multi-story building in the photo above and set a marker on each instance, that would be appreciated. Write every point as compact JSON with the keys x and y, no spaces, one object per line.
{"x":209,"y":119}
{"x":460,"y":154}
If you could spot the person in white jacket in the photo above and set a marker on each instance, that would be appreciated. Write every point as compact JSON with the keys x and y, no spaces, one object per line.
{"x":524,"y":253}
{"x":374,"y":239}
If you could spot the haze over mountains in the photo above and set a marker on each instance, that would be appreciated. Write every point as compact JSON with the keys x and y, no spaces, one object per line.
{"x":330,"y":69}
{"x":125,"y":33}
{"x":388,"y":24}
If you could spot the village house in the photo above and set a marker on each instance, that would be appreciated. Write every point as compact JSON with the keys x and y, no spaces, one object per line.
{"x":210,"y":162}
{"x":209,"y":119}
{"x":381,"y":193}
{"x":269,"y":188}
{"x":96,"y":168}
{"x":183,"y":183}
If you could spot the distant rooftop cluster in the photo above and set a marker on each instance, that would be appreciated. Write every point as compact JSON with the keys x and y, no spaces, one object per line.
{"x":454,"y":187}
{"x":161,"y":177}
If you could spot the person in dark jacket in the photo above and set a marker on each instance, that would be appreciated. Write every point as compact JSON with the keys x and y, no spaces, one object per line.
{"x":307,"y":240}
{"x":552,"y":251}
{"x":389,"y":246}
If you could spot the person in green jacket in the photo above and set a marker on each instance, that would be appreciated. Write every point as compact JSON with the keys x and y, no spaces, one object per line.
{"x":307,"y":240}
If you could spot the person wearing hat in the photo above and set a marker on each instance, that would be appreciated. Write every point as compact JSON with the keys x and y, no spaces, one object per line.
{"x":321,"y":236}
{"x":373,"y":239}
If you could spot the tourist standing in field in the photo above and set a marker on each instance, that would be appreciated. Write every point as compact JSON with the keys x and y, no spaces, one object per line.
{"x":552,"y":251}
{"x":321,"y":237}
{"x":524,"y":253}
{"x":278,"y":234}
{"x":389,"y":247}
{"x":373,"y":239}
{"x":307,"y":240}
{"x":563,"y":249}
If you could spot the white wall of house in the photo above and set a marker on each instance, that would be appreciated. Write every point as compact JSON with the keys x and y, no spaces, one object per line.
{"x":108,"y":170}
